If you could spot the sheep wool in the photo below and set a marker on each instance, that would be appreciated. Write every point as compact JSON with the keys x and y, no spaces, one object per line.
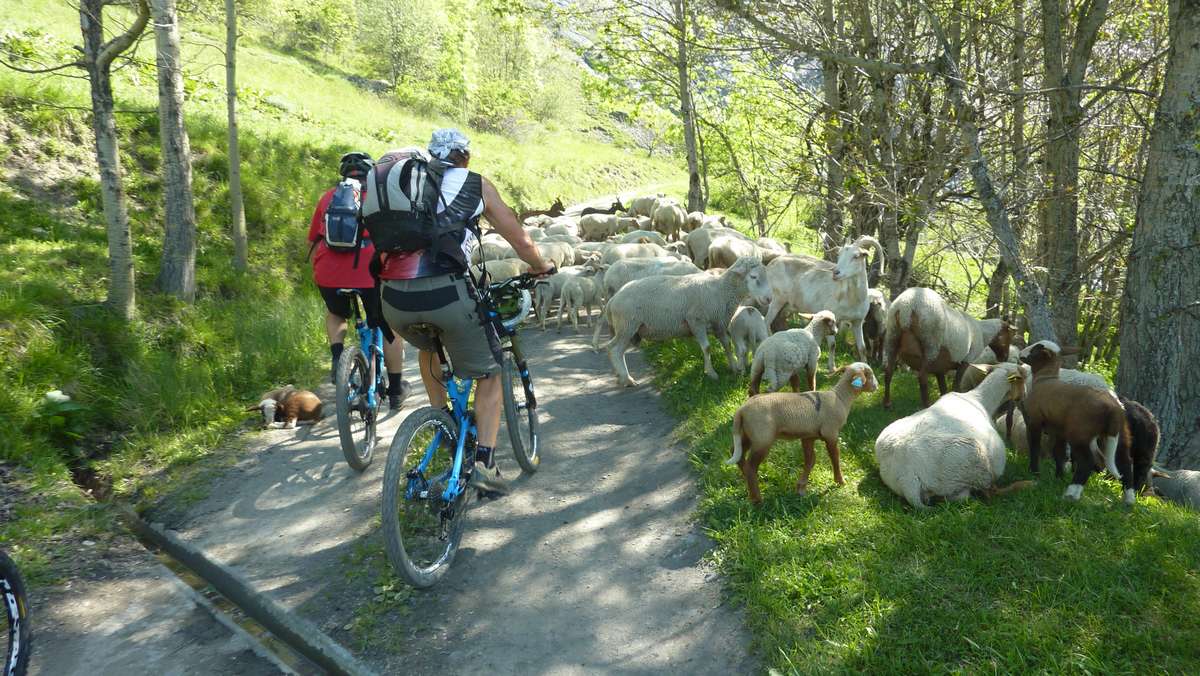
{"x":747,"y":330}
{"x":783,"y":355}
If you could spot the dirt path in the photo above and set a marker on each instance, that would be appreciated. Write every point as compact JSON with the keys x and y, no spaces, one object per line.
{"x":591,"y":565}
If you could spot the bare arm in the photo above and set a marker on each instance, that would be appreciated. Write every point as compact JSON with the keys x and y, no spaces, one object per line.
{"x":504,"y":221}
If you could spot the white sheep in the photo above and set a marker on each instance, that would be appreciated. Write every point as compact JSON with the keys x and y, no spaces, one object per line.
{"x":668,"y":218}
{"x":595,"y":227}
{"x":725,"y":249}
{"x":784,"y":354}
{"x":622,"y":251}
{"x":699,"y":241}
{"x":500,"y":270}
{"x":747,"y":330}
{"x":694,"y":220}
{"x":1181,"y":486}
{"x":550,"y":289}
{"x":535,"y":234}
{"x":668,"y":307}
{"x":636,"y":236}
{"x":491,"y":250}
{"x":950,"y":448}
{"x":1014,"y":356}
{"x":931,"y":337}
{"x":580,"y":292}
{"x":558,"y":253}
{"x":570,"y":228}
{"x":806,"y":284}
{"x":644,"y":206}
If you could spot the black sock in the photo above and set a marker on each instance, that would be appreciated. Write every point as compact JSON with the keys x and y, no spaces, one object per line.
{"x":335,"y":349}
{"x":394,"y":384}
{"x":484,"y":454}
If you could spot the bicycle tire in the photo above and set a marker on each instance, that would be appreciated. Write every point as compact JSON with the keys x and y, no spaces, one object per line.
{"x":408,"y":529}
{"x":520,"y":417}
{"x":351,"y":400}
{"x":13,"y":598}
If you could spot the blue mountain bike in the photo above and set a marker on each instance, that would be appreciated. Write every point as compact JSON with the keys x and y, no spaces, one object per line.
{"x":16,"y":610}
{"x":361,"y":381}
{"x":426,"y":482}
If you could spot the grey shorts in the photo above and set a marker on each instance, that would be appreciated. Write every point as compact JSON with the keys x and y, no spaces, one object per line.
{"x":419,"y":309}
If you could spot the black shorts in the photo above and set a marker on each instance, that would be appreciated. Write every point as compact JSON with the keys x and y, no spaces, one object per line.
{"x":339,"y":305}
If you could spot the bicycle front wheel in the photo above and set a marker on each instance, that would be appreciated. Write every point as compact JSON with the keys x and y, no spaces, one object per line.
{"x":355,"y":418}
{"x":520,"y":414}
{"x":420,"y":528}
{"x":12,"y":597}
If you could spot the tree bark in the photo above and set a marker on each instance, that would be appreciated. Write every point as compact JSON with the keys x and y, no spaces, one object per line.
{"x":98,"y":59}
{"x":835,"y":174}
{"x":687,"y":112}
{"x":236,"y":205}
{"x":1064,"y":73}
{"x":177,"y":275}
{"x":1160,"y":323}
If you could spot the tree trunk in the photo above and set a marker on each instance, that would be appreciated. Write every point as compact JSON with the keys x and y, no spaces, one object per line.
{"x":995,"y":294}
{"x":98,"y":58}
{"x":835,"y":174}
{"x":1064,"y":73}
{"x":177,"y":276}
{"x":999,"y":279}
{"x":1160,"y":324}
{"x":687,"y":113}
{"x":236,"y":205}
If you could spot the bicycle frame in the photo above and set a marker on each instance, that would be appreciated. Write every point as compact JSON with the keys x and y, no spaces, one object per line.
{"x":370,"y":341}
{"x":459,"y":392}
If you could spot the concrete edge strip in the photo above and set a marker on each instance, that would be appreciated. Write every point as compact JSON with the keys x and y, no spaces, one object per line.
{"x":303,"y":637}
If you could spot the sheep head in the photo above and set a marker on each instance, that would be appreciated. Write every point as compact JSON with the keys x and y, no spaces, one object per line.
{"x":1002,"y":340}
{"x":1045,"y":356}
{"x":858,"y":376}
{"x":852,"y":258}
{"x":755,"y":273}
{"x":823,"y":323}
{"x":267,"y":407}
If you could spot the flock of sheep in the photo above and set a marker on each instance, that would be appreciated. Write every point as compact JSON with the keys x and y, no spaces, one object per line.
{"x":657,"y":272}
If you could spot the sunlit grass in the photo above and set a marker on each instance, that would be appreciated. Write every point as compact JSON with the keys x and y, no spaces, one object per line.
{"x":851,"y":579}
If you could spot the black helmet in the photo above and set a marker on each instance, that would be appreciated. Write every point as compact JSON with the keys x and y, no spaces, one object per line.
{"x":355,"y":165}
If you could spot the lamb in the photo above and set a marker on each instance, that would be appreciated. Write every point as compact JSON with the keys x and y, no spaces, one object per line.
{"x":747,"y":330}
{"x":595,"y":227}
{"x":700,"y":240}
{"x":934,"y":338}
{"x":626,"y":270}
{"x":539,"y":221}
{"x":644,"y":206}
{"x":874,"y":324}
{"x":807,"y":284}
{"x":636,"y":236}
{"x":725,"y":249}
{"x":563,"y":226}
{"x":668,"y":218}
{"x":1079,"y":416}
{"x":498,"y":271}
{"x":287,"y":407}
{"x":579,"y":292}
{"x":667,"y":307}
{"x":694,"y":220}
{"x":558,"y":253}
{"x":637,"y":250}
{"x":782,"y":355}
{"x":807,"y":416}
{"x":975,"y":373}
{"x":547,"y":290}
{"x":950,"y":449}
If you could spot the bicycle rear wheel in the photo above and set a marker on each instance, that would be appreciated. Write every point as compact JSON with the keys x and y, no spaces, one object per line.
{"x":422,"y":530}
{"x":355,"y":419}
{"x":12,"y":597}
{"x":520,"y":414}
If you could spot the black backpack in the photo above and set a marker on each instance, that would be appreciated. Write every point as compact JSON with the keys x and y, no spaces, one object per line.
{"x":342,"y":231}
{"x":400,"y":208}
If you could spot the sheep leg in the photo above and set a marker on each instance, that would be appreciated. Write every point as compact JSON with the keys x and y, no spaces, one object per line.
{"x":1033,"y":433}
{"x":1059,"y":451}
{"x":616,"y":355}
{"x":1082,"y":459}
{"x":892,"y":347}
{"x":859,"y":343}
{"x":923,"y":383}
{"x":756,"y":374}
{"x":700,"y":333}
{"x":727,"y":343}
{"x":941,"y":381}
{"x":794,"y":381}
{"x":749,"y":466}
{"x":958,"y":374}
{"x":835,"y":458}
{"x":831,"y":346}
{"x":810,"y":459}
{"x":773,"y":311}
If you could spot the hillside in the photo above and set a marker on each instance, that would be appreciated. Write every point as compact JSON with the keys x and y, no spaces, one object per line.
{"x":153,"y":400}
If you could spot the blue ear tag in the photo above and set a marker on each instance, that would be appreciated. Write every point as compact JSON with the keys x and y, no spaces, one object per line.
{"x":857,"y":382}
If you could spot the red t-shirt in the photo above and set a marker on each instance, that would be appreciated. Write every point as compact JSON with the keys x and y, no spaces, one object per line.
{"x":336,"y":268}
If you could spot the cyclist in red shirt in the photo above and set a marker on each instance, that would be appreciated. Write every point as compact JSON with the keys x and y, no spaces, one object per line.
{"x":333,"y":270}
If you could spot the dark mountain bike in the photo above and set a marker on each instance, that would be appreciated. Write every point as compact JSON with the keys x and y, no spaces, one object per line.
{"x":12,"y":596}
{"x":426,"y":491}
{"x":361,"y":382}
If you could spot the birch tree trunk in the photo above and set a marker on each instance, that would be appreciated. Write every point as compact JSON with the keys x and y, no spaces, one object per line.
{"x":999,"y":279}
{"x":236,"y":206}
{"x":177,"y":275}
{"x":1160,"y":322}
{"x":98,"y":59}
{"x":687,"y":112}
{"x":835,"y":173}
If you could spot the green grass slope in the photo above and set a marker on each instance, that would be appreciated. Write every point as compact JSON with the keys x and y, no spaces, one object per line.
{"x":853,"y":580}
{"x":157,"y":397}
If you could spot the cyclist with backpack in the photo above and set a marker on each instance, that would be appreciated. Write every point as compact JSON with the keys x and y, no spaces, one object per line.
{"x":343,"y":253}
{"x":425,"y":220}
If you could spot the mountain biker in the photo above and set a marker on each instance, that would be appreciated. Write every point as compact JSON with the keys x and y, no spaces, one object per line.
{"x":333,"y":270}
{"x":434,"y":287}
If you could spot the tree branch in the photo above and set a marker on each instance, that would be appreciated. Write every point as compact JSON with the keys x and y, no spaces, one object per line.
{"x":113,"y":48}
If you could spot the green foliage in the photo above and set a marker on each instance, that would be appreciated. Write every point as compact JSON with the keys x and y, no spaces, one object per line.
{"x":319,"y":25}
{"x":852,"y":580}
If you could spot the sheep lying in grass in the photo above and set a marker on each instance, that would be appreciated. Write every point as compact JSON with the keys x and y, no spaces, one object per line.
{"x":784,"y":354}
{"x":807,"y":416}
{"x":641,"y":237}
{"x":1180,"y":486}
{"x":667,"y":307}
{"x":747,"y":330}
{"x":931,"y":337}
{"x":950,"y":449}
{"x":1091,"y":422}
{"x":287,"y":407}
{"x":580,"y":292}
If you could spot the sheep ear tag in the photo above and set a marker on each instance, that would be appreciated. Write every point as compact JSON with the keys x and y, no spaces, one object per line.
{"x":857,"y":382}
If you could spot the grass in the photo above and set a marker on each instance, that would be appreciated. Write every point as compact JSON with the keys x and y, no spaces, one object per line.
{"x":161,"y":397}
{"x":852,"y":579}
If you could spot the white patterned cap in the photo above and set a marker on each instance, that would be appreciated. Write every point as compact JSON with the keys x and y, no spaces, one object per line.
{"x":445,"y":141}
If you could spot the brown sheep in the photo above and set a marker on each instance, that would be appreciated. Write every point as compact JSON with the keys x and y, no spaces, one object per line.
{"x":287,"y":406}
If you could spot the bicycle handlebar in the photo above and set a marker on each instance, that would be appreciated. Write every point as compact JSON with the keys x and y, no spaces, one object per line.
{"x":525,"y":280}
